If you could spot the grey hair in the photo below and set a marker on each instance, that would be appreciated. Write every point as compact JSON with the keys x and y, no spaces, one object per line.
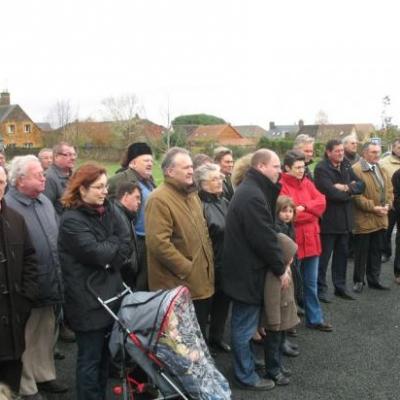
{"x":301,"y":140}
{"x":169,"y":158}
{"x":347,"y":138}
{"x":44,"y":150}
{"x":201,"y":173}
{"x":18,"y":167}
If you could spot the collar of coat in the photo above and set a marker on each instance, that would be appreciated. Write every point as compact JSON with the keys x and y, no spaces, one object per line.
{"x":130,"y":214}
{"x":365,"y":165}
{"x":23,"y":199}
{"x":59,"y":172}
{"x":394,"y":159}
{"x":269,"y":188}
{"x":209,"y":197}
{"x":179,"y":187}
{"x":147,"y":182}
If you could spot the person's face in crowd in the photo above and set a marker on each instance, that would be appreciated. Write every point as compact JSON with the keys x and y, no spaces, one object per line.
{"x":213,"y":183}
{"x":336,"y":155}
{"x":272,"y":169}
{"x":308,"y":150}
{"x":32,"y":183}
{"x":372,"y":153}
{"x":297,"y":169}
{"x":2,"y":160}
{"x":286,"y":214}
{"x":3,"y":182}
{"x":396,"y":149}
{"x":96,"y":193}
{"x":226,"y":164}
{"x":351,"y":146}
{"x":143,"y":165}
{"x":182,"y":169}
{"x":46,"y":159}
{"x":132,"y":200}
{"x":66,"y":158}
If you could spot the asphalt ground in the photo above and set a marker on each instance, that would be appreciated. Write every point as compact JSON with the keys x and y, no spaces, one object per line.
{"x":359,"y":360}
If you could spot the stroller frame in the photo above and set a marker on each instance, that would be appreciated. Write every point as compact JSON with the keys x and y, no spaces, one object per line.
{"x":127,"y":382}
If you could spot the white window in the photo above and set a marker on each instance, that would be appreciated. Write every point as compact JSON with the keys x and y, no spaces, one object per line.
{"x":11,"y":129}
{"x":27,"y":128}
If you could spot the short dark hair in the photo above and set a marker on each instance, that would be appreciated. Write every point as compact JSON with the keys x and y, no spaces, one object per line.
{"x":220,"y":152}
{"x":292,"y":156}
{"x":331,"y":144}
{"x":126,"y":187}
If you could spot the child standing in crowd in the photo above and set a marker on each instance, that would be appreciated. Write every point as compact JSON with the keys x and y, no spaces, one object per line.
{"x":280,"y":314}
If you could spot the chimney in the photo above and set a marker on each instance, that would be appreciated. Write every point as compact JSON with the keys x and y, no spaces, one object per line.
{"x":301,"y":123}
{"x":271,"y":125}
{"x":4,"y":98}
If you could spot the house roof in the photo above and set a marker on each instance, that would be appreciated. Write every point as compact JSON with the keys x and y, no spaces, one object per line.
{"x":212,"y":131}
{"x":185,"y":129}
{"x":6,"y":110}
{"x":250,"y":130}
{"x":44,"y":126}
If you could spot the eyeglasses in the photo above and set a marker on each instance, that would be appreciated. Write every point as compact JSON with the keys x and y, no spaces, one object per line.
{"x":70,"y":155}
{"x":101,"y":188}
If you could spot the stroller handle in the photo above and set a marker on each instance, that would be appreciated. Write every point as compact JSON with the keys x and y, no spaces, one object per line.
{"x":118,"y":296}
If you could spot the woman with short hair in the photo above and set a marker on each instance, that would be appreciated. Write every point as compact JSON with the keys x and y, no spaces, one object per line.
{"x":90,"y":245}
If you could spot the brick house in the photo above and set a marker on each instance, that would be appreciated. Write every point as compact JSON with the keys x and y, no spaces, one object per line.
{"x":16,"y":128}
{"x":223,"y":134}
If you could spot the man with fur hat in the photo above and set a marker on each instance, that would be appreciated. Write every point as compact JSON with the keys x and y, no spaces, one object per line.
{"x":139,"y":170}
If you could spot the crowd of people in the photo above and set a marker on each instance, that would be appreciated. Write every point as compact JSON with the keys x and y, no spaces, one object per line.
{"x":251,"y":239}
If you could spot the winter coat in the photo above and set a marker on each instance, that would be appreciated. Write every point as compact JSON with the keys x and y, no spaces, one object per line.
{"x":251,"y":246}
{"x":365,"y":219}
{"x":179,"y":250}
{"x":56,"y":183}
{"x":90,"y":242}
{"x":41,"y":221}
{"x":18,"y":277}
{"x":303,"y":192}
{"x":338,"y":217}
{"x":227,"y":188}
{"x":390,"y":164}
{"x":396,"y":191}
{"x":280,"y":311}
{"x":127,"y":218}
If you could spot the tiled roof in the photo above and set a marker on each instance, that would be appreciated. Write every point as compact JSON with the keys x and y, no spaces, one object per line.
{"x":250,"y":130}
{"x":5,"y":111}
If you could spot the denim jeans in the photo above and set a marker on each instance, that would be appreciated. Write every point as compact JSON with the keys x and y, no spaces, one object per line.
{"x":244,"y":323}
{"x":92,"y":364}
{"x":312,"y":307}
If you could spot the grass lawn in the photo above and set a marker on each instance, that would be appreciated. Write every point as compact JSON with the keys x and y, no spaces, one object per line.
{"x":113,"y":166}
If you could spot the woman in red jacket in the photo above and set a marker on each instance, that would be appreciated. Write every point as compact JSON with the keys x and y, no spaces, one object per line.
{"x":310,"y":205}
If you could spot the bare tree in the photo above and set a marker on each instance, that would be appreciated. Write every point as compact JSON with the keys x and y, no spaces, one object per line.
{"x":321,"y":118}
{"x":124,"y":112}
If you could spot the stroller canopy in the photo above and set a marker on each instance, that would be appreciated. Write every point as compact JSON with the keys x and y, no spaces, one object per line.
{"x":166,"y":325}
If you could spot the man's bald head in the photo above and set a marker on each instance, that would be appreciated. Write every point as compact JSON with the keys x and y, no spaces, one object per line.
{"x":267,"y":162}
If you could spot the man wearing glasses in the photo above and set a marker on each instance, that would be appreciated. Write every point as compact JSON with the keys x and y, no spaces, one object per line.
{"x":57,"y":175}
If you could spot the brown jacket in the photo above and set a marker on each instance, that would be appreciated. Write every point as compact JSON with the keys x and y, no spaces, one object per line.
{"x":280,"y":312}
{"x":365,"y":219}
{"x":179,"y":250}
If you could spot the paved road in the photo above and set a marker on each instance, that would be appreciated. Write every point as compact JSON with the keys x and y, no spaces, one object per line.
{"x":359,"y":360}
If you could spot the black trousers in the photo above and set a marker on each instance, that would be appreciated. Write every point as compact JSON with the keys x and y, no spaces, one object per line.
{"x":219,"y":314}
{"x":202,"y":308}
{"x":10,"y":374}
{"x":367,"y":256}
{"x":387,"y":245}
{"x":335,"y":245}
{"x":297,"y":282}
{"x":272,"y":351}
{"x":396,"y":264}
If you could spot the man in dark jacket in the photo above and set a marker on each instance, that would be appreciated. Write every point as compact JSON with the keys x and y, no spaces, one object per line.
{"x":18,"y":288}
{"x":26,"y":197}
{"x":250,"y":249}
{"x":224,"y":158}
{"x":139,"y":169}
{"x":337,"y":181}
{"x":127,"y":203}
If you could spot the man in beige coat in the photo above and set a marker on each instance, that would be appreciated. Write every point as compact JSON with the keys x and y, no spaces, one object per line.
{"x":370,"y":218}
{"x":179,"y":250}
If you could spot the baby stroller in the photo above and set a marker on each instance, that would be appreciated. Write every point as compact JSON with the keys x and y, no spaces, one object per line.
{"x":159,"y":332}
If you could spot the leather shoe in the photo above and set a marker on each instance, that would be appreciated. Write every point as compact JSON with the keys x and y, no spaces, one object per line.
{"x":261,"y":385}
{"x":52,"y":387}
{"x":220,"y":345}
{"x":58,"y":355}
{"x":358,"y":287}
{"x":378,"y":286}
{"x":292,"y":332}
{"x":322,"y":327}
{"x":324,"y":298}
{"x":292,"y":345}
{"x":280,"y":379}
{"x":300,"y":311}
{"x":289,"y":352}
{"x":344,"y":295}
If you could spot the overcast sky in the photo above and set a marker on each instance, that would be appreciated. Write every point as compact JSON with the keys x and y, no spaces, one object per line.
{"x":247,"y":61}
